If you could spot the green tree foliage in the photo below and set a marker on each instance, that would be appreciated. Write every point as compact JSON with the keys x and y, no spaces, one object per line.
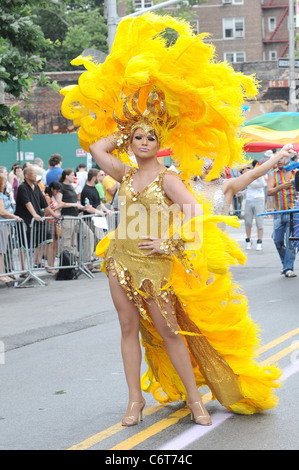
{"x":71,"y":27}
{"x":21,"y":41}
{"x":38,"y":36}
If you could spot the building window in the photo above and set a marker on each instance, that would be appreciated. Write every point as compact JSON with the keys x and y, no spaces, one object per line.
{"x":272,"y":55}
{"x":141,"y":4}
{"x":240,"y":57}
{"x":229,"y":56}
{"x":233,"y":28}
{"x":235,"y":57}
{"x":272,"y":23}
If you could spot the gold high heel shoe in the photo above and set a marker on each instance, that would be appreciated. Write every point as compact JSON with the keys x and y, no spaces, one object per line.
{"x":132,"y":420}
{"x":203,"y":418}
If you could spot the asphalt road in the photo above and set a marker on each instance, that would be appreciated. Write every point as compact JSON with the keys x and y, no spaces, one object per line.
{"x":62,"y":384}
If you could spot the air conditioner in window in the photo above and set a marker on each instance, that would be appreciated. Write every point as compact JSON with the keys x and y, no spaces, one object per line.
{"x":226,"y":1}
{"x":239,"y":34}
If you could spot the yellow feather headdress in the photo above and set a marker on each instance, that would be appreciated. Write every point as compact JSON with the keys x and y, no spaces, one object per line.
{"x":192,"y":101}
{"x":153,"y":117}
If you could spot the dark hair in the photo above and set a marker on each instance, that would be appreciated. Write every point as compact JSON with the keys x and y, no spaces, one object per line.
{"x":81,"y":165}
{"x":246,"y":168}
{"x":16,"y":167}
{"x":92,"y":172}
{"x":65,"y":173}
{"x":55,"y":159}
{"x":53,"y":187}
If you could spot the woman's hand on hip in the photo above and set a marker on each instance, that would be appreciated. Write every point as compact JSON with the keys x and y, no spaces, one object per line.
{"x":150,"y":243}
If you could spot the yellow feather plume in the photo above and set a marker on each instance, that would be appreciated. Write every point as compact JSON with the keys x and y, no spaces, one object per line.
{"x":203,"y":95}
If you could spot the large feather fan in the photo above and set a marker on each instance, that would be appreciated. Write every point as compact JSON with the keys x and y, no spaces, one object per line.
{"x":203,"y":95}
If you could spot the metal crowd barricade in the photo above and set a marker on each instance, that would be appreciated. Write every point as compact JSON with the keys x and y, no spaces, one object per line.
{"x":69,"y":242}
{"x":294,"y":226}
{"x":52,"y":244}
{"x":294,"y":223}
{"x":14,"y":252}
{"x":93,"y":229}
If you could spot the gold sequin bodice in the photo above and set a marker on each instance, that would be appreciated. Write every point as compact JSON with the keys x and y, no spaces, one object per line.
{"x":141,"y":213}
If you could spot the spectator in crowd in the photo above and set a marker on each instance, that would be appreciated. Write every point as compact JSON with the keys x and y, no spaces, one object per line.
{"x":67,"y":194}
{"x":281,"y":185}
{"x":30,"y":204}
{"x":254,"y":204}
{"x":40,"y":171}
{"x":90,"y":196}
{"x":99,"y":186}
{"x":269,"y":200}
{"x":110,"y":188}
{"x":93,"y":205}
{"x":297,"y":183}
{"x":296,"y":214}
{"x":70,"y":226}
{"x":9,"y":190}
{"x":26,"y":165}
{"x":51,"y":193}
{"x":4,"y":172}
{"x":11,"y":173}
{"x":53,"y":226}
{"x":6,"y":212}
{"x":55,"y":171}
{"x":81,"y":175}
{"x":17,"y":172}
{"x":38,"y":165}
{"x":40,"y":184}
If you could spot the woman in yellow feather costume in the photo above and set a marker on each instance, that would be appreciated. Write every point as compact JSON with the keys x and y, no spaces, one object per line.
{"x":172,"y":283}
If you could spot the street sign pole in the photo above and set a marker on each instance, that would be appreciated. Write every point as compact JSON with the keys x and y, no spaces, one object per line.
{"x":292,"y":89}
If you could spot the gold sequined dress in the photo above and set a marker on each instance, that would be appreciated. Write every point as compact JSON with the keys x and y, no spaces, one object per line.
{"x":144,"y":213}
{"x":213,"y":318}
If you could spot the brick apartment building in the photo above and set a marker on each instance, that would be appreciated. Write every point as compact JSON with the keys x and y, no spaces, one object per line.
{"x":241,"y":30}
{"x":246,"y":30}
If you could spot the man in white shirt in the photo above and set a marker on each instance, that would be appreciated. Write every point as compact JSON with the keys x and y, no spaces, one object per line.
{"x":81,"y":178}
{"x":255,"y":204}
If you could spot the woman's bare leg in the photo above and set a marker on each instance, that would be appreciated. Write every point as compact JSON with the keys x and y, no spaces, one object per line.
{"x":179,"y":356}
{"x":129,"y":320}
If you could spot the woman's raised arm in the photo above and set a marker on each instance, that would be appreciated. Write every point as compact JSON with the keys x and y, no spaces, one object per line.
{"x":234,"y":185}
{"x":101,"y":153}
